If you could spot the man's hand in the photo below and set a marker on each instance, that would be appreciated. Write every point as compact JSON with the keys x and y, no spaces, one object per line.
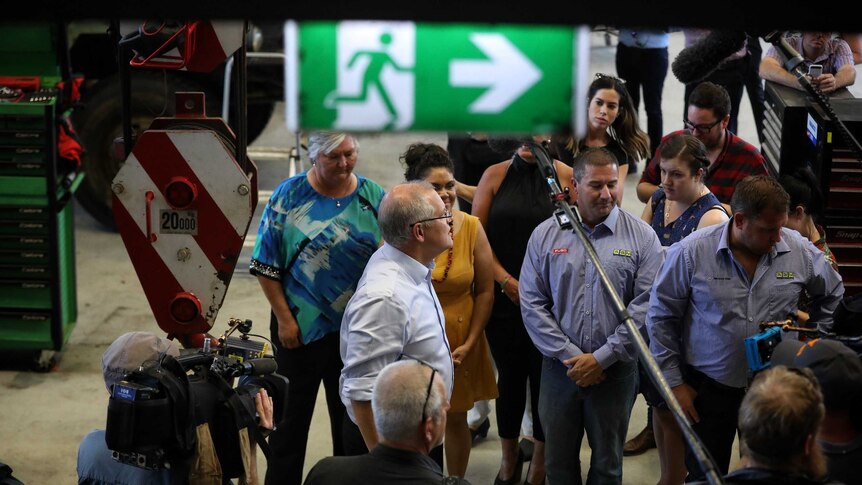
{"x":288,"y":333}
{"x":826,"y":82}
{"x":685,"y":395}
{"x":585,"y":370}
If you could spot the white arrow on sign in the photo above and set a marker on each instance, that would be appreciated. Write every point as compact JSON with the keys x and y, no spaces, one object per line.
{"x":507,"y":73}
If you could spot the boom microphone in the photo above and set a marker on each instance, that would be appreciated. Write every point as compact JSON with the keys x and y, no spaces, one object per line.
{"x":792,"y":58}
{"x":702,"y":58}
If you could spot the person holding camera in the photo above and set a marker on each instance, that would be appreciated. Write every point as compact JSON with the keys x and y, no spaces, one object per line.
{"x":827,"y":59}
{"x":409,"y":404}
{"x":839,"y":372}
{"x":715,"y":287}
{"x":96,"y":466}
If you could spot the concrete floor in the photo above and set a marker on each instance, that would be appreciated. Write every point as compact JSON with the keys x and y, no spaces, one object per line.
{"x":43,"y":416}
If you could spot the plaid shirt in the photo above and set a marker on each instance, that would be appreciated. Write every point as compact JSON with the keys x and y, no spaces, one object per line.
{"x":738,"y":160}
{"x":835,"y":54}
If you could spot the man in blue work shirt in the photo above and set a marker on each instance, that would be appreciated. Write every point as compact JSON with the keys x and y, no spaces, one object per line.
{"x":589,"y":372}
{"x":714,"y":289}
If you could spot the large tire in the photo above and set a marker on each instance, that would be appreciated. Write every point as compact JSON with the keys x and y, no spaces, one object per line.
{"x":100,"y":122}
{"x":258,"y":115}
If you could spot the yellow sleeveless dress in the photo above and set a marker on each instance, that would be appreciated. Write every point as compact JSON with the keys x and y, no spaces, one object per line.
{"x":474,"y":378}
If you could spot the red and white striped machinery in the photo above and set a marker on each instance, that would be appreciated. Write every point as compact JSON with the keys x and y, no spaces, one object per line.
{"x":197,"y":46}
{"x":183,"y":204}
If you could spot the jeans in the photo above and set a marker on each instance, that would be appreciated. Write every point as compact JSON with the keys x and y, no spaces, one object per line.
{"x":602,"y":411}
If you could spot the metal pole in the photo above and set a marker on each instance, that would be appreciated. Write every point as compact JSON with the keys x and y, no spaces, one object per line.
{"x":559,"y":199}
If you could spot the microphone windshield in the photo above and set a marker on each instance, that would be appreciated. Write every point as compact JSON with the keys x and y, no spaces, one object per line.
{"x":696,"y":62}
{"x":506,"y":145}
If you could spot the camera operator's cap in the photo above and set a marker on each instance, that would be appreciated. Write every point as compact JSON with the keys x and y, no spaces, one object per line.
{"x":130,"y":351}
{"x":837,"y":368}
{"x":847,"y":317}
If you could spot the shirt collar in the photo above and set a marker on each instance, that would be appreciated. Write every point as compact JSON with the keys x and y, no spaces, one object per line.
{"x":724,"y":243}
{"x":610,"y":221}
{"x":405,"y":457}
{"x":417,"y":271}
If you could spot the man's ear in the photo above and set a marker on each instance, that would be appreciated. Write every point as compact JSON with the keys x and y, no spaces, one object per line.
{"x":738,"y":219}
{"x":428,"y":431}
{"x":418,"y":232}
{"x":810,"y":443}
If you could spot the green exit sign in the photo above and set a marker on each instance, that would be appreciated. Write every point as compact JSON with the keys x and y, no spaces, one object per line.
{"x":403,"y":76}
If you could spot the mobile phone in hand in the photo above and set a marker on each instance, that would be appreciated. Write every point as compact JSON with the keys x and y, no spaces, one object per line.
{"x":815,"y":70}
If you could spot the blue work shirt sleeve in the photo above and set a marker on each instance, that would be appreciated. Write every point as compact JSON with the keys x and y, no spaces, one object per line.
{"x":537,"y":304}
{"x":669,"y":300}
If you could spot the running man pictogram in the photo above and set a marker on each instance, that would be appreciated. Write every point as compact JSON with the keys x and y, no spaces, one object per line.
{"x":372,"y":77}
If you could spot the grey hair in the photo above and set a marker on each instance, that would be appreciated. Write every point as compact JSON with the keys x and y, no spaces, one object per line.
{"x":399,"y":397}
{"x":402,"y":207}
{"x":327,"y":141}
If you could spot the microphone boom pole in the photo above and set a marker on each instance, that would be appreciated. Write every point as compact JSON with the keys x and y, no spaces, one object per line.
{"x":560,"y":200}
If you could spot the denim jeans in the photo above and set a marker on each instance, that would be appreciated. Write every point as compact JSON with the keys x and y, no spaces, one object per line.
{"x":602,"y":410}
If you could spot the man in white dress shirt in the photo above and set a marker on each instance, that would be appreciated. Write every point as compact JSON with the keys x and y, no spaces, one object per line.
{"x":395,"y":313}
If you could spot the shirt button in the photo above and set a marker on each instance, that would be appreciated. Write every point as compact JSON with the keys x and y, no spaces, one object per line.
{"x":587,"y":285}
{"x":750,"y":319}
{"x":460,"y":319}
{"x":587,"y":312}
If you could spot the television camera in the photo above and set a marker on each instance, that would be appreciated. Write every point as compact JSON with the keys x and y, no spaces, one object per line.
{"x":155,"y":413}
{"x":760,"y":346}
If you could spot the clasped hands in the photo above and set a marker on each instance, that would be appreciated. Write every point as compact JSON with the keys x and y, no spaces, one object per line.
{"x":585,"y":370}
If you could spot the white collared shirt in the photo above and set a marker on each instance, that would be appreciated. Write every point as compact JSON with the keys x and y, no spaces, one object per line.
{"x":393,"y":315}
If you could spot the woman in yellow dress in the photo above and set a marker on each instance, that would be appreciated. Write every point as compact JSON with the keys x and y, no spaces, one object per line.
{"x":464,"y":283}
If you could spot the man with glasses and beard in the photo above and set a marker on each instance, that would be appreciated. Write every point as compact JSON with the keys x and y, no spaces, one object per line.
{"x":409,"y":404}
{"x":395,"y":313}
{"x":731,"y":158}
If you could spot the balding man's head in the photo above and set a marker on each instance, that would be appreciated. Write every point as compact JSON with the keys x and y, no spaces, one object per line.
{"x":401,"y":207}
{"x":404,"y":397}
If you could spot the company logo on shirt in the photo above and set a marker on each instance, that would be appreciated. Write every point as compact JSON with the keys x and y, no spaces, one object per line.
{"x":623,"y":252}
{"x":784,"y":275}
{"x":560,"y":250}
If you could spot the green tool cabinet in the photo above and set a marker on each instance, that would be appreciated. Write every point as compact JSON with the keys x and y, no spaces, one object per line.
{"x":38,"y":303}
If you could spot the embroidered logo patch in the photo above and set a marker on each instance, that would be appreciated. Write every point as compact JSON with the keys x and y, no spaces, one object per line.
{"x":560,"y":251}
{"x":623,"y":252}
{"x":784,"y":275}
